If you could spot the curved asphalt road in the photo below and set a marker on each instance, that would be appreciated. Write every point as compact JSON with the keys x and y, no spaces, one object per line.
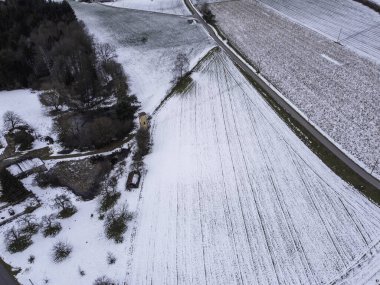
{"x":279,"y":100}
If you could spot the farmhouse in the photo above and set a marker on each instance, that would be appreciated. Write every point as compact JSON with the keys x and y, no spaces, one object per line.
{"x":133,"y":179}
{"x":26,"y":167}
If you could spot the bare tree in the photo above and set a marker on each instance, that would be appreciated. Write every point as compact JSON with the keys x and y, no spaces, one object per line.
{"x":50,"y":227}
{"x":181,"y":66}
{"x":105,"y":52}
{"x":28,"y":224}
{"x":12,"y":120}
{"x":64,"y":204}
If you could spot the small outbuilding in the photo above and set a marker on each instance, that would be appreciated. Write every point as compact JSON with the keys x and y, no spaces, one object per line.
{"x":26,"y":167}
{"x":144,"y":122}
{"x":133,"y":180}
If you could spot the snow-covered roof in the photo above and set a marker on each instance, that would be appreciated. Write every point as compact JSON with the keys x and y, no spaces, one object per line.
{"x":135,"y":178}
{"x":24,"y":166}
{"x":14,"y":169}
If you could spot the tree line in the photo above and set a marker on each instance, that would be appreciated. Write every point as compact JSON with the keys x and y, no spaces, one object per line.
{"x":44,"y":46}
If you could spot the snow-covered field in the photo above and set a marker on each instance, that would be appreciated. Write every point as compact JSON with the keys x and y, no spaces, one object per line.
{"x":147,"y":45}
{"x":83,"y":232}
{"x":26,"y":104}
{"x":358,"y":25}
{"x":175,"y":7}
{"x":334,"y":87}
{"x":232,"y":196}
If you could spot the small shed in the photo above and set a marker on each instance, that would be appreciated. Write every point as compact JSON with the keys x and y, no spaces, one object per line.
{"x":133,"y":180}
{"x":144,"y":122}
{"x":26,"y":167}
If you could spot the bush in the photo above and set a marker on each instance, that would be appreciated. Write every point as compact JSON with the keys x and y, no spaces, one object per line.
{"x":208,"y":16}
{"x":13,"y":189}
{"x":24,"y":139}
{"x":104,"y":280}
{"x":108,"y":200}
{"x":111,"y":259}
{"x":31,"y":259}
{"x":116,"y":224}
{"x":61,"y":251}
{"x":143,"y":144}
{"x":67,"y":212}
{"x":50,"y":227}
{"x":16,"y":240}
{"x":81,"y":272}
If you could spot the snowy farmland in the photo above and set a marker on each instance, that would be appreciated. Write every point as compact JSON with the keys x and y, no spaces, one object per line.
{"x":147,"y":45}
{"x":232,"y":196}
{"x":356,"y":25}
{"x":176,"y":7}
{"x":334,"y":87}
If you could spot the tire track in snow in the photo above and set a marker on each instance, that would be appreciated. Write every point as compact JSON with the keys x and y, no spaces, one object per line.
{"x":287,"y":217}
{"x":296,"y":242}
{"x":198,"y":186}
{"x":234,"y":171}
{"x":313,"y":200}
{"x":266,"y":236}
{"x":229,"y":223}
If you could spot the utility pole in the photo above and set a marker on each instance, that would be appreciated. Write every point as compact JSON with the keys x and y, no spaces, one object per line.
{"x":340,"y":31}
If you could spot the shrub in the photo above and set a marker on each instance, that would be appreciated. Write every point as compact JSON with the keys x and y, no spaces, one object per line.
{"x":81,"y":272}
{"x":31,"y":259}
{"x":116,"y":224}
{"x":61,"y":251}
{"x":111,"y":259}
{"x":104,"y":280}
{"x":16,"y":240}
